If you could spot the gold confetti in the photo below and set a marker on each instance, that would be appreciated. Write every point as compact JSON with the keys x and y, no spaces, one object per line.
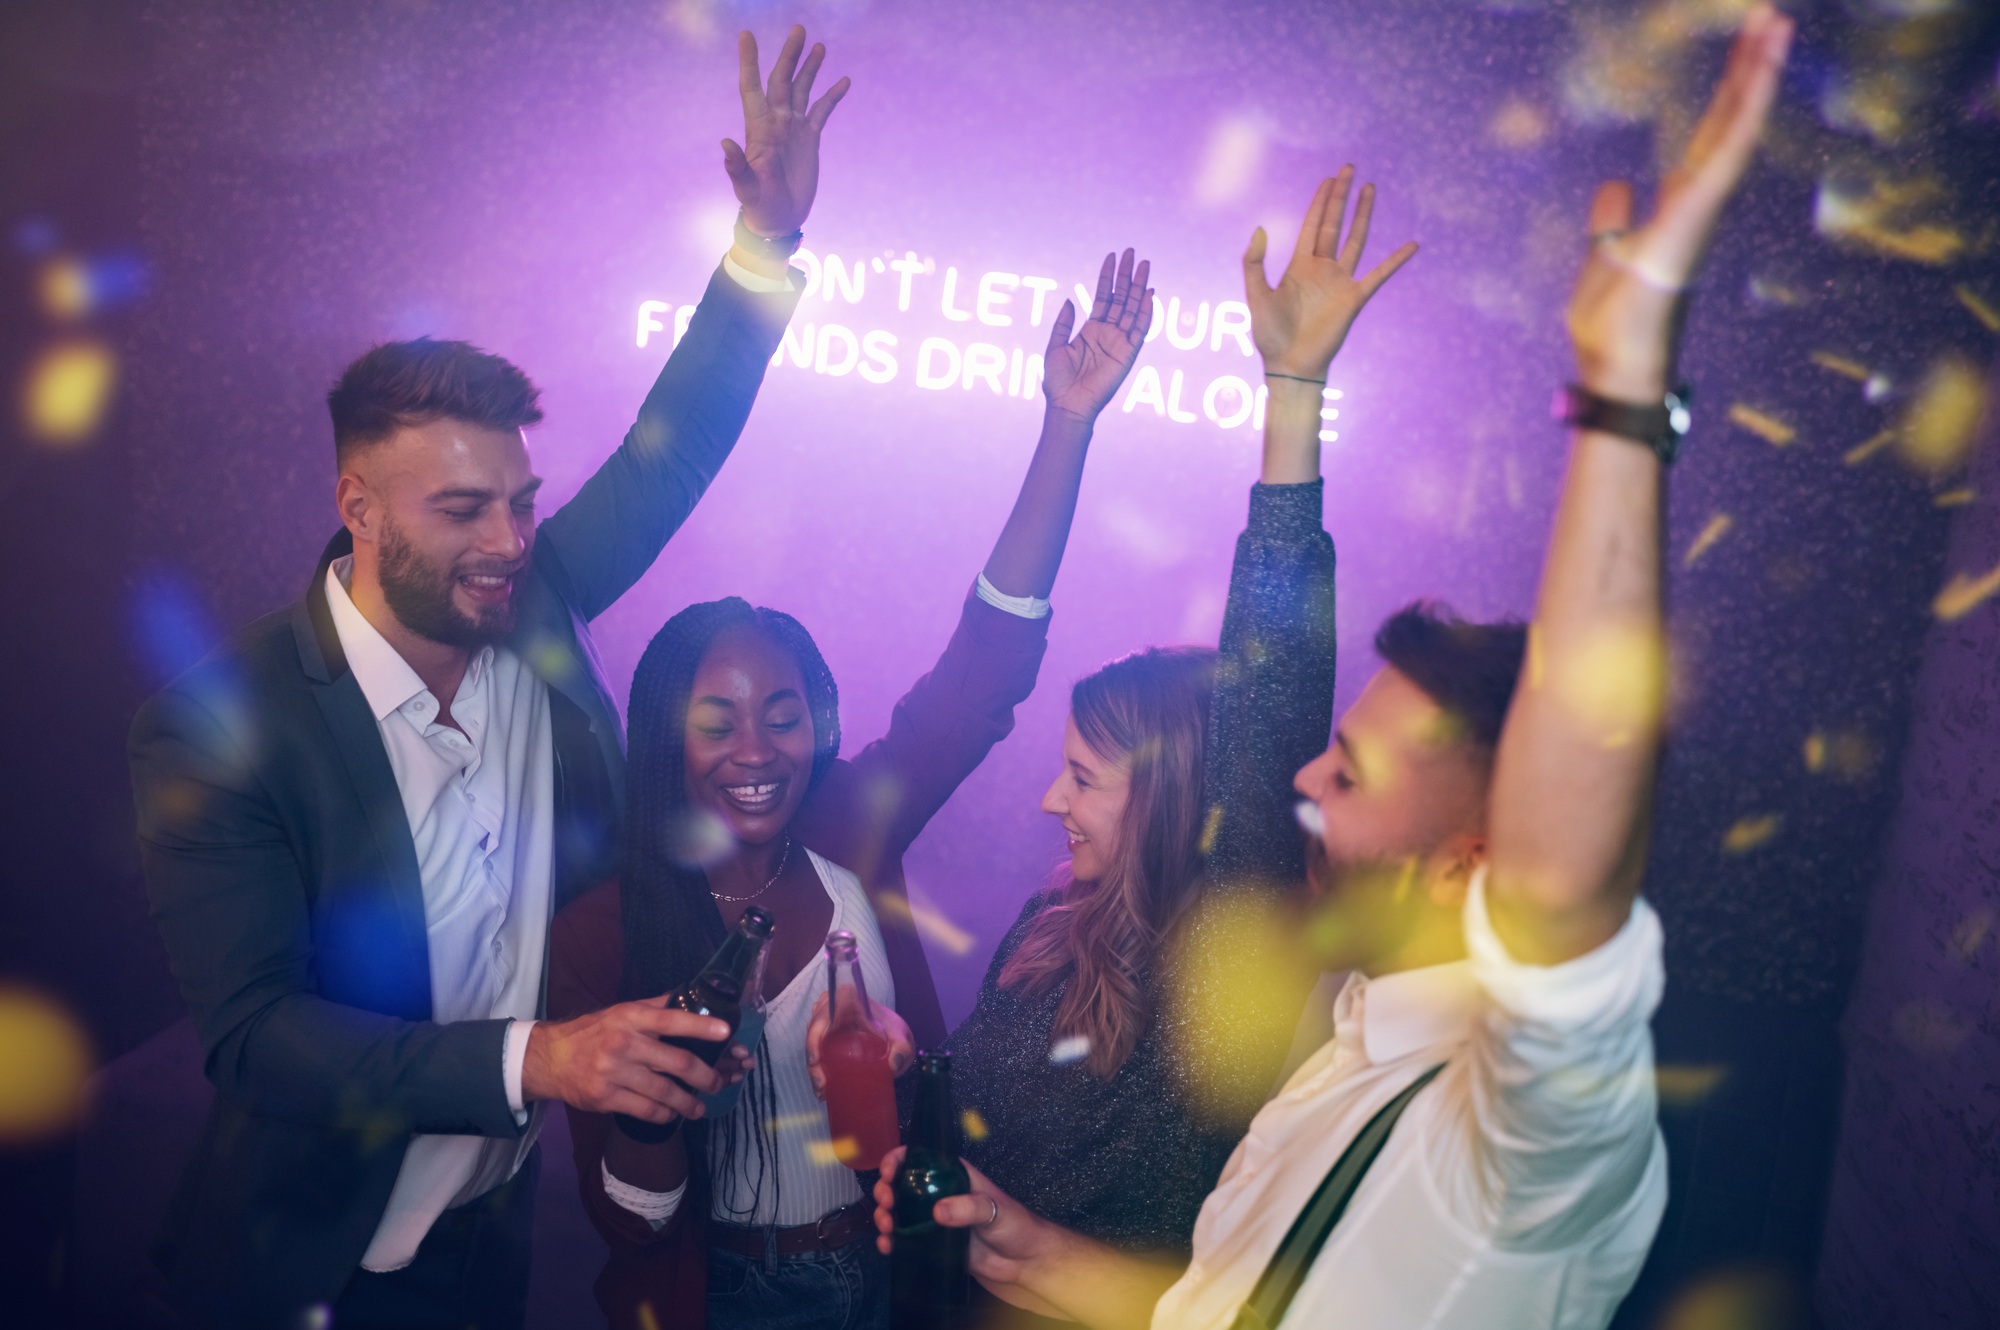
{"x":1681,"y":1086}
{"x":1957,"y":498}
{"x":1985,"y":313}
{"x":974,"y":1125}
{"x":1929,"y":1027}
{"x":1962,"y":595}
{"x":1848,"y":754}
{"x":929,"y":922}
{"x":1751,"y":832}
{"x":1936,"y":433}
{"x":45,"y":1064}
{"x":1718,"y":527}
{"x":1861,"y":452}
{"x":69,"y":387}
{"x":1766,"y":427}
{"x":1841,"y":365}
{"x":1971,"y":931}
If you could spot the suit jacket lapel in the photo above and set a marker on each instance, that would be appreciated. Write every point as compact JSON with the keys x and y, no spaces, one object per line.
{"x":358,"y":739}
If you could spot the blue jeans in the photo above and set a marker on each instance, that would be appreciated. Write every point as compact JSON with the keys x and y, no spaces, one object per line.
{"x":847,"y":1289}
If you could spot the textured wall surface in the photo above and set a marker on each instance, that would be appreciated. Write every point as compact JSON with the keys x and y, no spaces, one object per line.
{"x":1913,"y":1232}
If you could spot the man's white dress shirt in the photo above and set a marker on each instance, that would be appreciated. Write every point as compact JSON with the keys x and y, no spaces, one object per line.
{"x":481,"y":807}
{"x":1521,"y":1188}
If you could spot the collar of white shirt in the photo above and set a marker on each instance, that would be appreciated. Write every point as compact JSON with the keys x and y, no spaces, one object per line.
{"x":386,"y":679}
{"x":1394,"y":1016}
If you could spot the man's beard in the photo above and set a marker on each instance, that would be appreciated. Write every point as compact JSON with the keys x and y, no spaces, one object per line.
{"x":420,"y":595}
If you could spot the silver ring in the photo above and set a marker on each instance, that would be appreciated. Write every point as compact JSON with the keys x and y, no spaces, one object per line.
{"x":996,"y":1213}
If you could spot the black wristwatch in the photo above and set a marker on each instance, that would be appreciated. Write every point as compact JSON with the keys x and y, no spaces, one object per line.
{"x":1660,"y":427}
{"x":775,"y":248}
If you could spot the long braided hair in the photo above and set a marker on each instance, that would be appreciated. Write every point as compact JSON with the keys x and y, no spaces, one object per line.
{"x":671,"y":923}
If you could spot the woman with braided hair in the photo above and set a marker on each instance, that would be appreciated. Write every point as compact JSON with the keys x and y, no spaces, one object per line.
{"x":737,"y":794}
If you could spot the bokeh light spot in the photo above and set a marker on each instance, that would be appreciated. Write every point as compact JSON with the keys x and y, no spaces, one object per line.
{"x":1937,"y":432}
{"x":45,"y":1065}
{"x":68,"y":388}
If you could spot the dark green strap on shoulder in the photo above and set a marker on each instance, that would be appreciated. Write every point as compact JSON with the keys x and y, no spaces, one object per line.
{"x":1296,"y":1254}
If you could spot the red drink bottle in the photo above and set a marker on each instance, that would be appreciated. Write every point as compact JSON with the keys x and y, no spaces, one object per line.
{"x":860,"y":1098}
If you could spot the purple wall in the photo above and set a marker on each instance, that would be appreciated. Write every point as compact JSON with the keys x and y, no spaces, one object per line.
{"x":1913,"y":1231}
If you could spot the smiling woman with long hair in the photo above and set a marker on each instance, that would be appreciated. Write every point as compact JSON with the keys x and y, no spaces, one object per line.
{"x":738,"y":795}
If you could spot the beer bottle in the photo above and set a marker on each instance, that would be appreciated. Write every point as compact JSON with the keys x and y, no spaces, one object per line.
{"x":860,"y":1094}
{"x":930,"y":1278}
{"x":718,"y":991}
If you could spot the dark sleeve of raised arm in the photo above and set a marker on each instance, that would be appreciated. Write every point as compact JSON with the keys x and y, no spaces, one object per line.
{"x":1273,"y":704}
{"x":939,"y":733}
{"x":602,"y":541}
{"x":230,"y":899}
{"x":1234,"y":997}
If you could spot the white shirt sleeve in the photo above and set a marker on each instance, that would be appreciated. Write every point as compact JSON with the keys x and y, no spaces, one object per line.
{"x":1562,"y":1103}
{"x":513,"y":1057}
{"x":655,"y":1207}
{"x":1027,"y":607}
{"x":755,"y":281}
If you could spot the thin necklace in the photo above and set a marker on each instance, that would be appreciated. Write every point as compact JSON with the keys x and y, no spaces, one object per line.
{"x":783,"y":859}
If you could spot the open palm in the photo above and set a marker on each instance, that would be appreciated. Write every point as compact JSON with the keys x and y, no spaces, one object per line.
{"x":775,"y":170}
{"x":1081,"y":375}
{"x":1299,"y":324}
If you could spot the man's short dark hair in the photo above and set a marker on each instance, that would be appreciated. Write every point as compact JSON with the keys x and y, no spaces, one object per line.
{"x":398,"y":385}
{"x":1469,"y":669}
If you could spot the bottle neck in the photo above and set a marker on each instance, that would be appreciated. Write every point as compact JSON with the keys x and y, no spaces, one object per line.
{"x":930,"y":1116}
{"x":843,"y":970}
{"x":733,"y":962}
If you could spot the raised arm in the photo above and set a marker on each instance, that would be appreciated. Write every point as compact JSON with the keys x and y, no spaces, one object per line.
{"x":603,"y":540}
{"x":868,"y":811}
{"x":1274,"y":689}
{"x":1080,"y":376}
{"x":948,"y":721}
{"x":1574,"y":773}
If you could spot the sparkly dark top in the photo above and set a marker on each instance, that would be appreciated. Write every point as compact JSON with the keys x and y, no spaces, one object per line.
{"x":1128,"y":1161}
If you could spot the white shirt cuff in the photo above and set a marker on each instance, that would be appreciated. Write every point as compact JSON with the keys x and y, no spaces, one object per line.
{"x":755,"y":281}
{"x":1622,"y":979}
{"x":513,"y":1057}
{"x":1027,"y":607}
{"x":655,"y":1207}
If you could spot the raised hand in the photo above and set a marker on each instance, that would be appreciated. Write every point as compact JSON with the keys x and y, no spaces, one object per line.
{"x":775,"y":170}
{"x":1299,"y":324}
{"x":1080,"y":376}
{"x":1621,"y":313}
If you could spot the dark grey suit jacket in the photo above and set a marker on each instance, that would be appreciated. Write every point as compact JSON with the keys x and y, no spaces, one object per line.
{"x":282,"y":873}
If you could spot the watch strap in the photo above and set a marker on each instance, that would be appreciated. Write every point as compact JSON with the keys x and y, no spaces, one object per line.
{"x":1659,"y":425}
{"x":775,"y":248}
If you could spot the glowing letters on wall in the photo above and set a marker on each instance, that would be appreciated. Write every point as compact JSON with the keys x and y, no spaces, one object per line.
{"x":955,"y":356}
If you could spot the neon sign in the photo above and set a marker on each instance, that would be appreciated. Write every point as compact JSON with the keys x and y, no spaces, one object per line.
{"x":961,"y":354}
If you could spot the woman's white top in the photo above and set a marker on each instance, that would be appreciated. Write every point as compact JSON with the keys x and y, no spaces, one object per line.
{"x":810,"y":1182}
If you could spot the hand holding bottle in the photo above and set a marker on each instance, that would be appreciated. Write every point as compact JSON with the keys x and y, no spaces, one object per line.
{"x":902,"y":1043}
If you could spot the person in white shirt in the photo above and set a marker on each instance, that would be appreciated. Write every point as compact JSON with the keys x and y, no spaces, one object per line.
{"x":1494,"y":924}
{"x":358,"y":815}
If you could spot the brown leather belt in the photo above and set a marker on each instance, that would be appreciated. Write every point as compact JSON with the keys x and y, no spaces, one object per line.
{"x":830,"y":1233}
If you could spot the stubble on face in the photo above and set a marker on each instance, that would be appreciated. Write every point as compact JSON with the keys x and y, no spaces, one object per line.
{"x":419,"y":593}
